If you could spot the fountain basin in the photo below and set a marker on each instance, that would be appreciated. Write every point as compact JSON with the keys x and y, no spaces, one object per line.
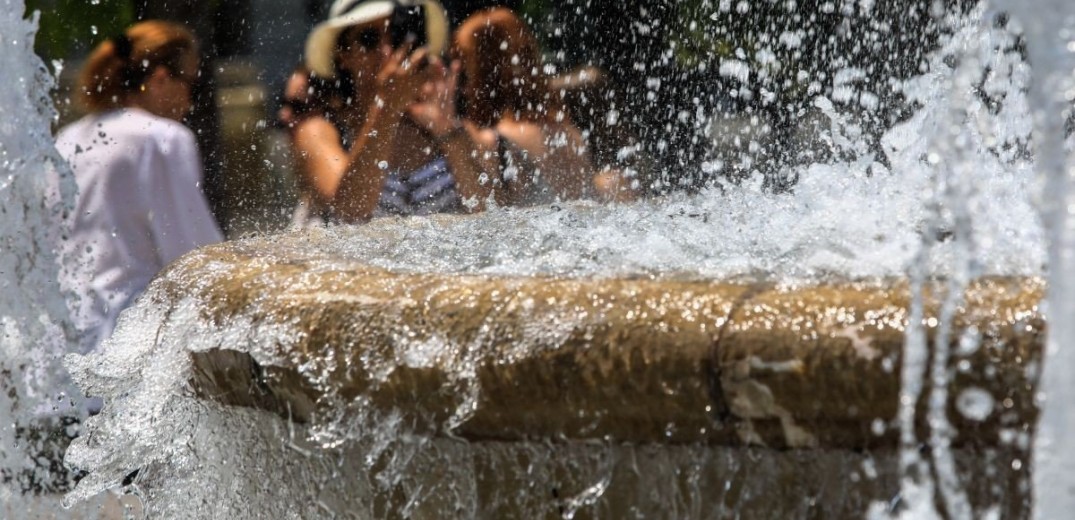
{"x":637,"y":360}
{"x":729,"y":396}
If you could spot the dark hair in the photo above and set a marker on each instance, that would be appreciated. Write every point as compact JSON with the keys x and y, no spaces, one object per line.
{"x":502,"y":63}
{"x":330,"y":95}
{"x":120,"y":64}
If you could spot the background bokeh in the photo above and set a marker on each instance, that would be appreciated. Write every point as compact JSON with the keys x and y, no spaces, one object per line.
{"x":691,"y":94}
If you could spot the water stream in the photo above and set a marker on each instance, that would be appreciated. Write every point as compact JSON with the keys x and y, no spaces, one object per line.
{"x":1049,"y":28}
{"x":34,"y":327}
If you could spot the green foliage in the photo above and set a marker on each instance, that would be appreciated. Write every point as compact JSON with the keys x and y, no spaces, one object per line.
{"x":72,"y":27}
{"x":534,"y":10}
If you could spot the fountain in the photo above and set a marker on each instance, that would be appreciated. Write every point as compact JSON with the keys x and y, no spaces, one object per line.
{"x":741,"y":352}
{"x":34,"y":325}
{"x":1050,"y":34}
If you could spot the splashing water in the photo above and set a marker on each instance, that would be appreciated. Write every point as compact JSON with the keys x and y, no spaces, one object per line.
{"x":957,"y":169}
{"x":948,"y":194}
{"x":34,"y":325}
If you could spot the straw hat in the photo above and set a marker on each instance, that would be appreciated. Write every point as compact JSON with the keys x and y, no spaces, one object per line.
{"x":321,"y":44}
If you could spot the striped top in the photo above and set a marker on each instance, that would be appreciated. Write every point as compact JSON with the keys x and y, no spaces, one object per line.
{"x":429,"y":189}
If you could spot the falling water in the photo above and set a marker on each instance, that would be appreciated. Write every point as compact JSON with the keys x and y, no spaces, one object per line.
{"x":961,"y":130}
{"x":1049,"y":29}
{"x":955,"y":168}
{"x":34,"y":325}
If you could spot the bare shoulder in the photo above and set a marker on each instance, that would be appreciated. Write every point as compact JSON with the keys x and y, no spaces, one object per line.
{"x":317,"y":135}
{"x":316,"y":127}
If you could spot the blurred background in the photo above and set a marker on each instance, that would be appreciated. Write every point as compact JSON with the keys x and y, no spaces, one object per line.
{"x":684,"y":94}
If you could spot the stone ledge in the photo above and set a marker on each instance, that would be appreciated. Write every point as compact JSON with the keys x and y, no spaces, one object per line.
{"x":632,"y":360}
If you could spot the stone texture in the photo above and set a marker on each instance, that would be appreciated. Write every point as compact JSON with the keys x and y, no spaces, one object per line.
{"x":621,"y":397}
{"x":819,"y":366}
{"x":633,"y":360}
{"x":582,"y":359}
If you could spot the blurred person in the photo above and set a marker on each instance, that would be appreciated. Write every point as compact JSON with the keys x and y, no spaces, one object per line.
{"x":504,"y":92}
{"x":137,"y":167}
{"x":296,"y":99}
{"x":377,"y":133}
{"x":623,"y":169}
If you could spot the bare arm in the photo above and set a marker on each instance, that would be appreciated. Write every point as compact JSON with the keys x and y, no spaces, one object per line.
{"x":360,"y":185}
{"x":470,"y":151}
{"x":558,"y":154}
{"x":399,"y":84}
{"x":321,"y":159}
{"x":350,"y":182}
{"x":472,"y":157}
{"x":572,"y":167}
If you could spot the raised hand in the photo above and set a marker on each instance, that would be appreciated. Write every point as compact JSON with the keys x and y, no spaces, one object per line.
{"x":402,"y":78}
{"x":436,"y":111}
{"x":296,"y":100}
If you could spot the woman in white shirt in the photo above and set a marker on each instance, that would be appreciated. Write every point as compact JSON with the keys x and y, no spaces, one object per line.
{"x":138,"y":172}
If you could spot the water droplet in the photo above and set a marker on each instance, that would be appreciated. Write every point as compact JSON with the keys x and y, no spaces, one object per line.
{"x":975,"y":404}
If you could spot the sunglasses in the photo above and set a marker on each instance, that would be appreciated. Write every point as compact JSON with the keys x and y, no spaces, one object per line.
{"x":367,"y":38}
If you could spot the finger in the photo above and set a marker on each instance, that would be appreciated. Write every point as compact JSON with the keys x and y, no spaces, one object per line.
{"x":435,"y":62}
{"x":398,"y":56}
{"x":419,"y":54}
{"x":389,"y":53}
{"x":453,"y":75}
{"x":415,"y":111}
{"x":396,"y":64}
{"x":429,"y":89}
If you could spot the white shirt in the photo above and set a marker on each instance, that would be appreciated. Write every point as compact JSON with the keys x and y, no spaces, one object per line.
{"x":139,"y":206}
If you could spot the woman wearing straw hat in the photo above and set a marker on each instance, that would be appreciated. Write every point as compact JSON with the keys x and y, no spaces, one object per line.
{"x":391,"y":142}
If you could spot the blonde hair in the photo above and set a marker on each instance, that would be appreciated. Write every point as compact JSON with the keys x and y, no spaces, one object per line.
{"x":120,"y":64}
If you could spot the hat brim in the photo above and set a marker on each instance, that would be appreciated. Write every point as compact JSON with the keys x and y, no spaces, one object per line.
{"x":321,"y":44}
